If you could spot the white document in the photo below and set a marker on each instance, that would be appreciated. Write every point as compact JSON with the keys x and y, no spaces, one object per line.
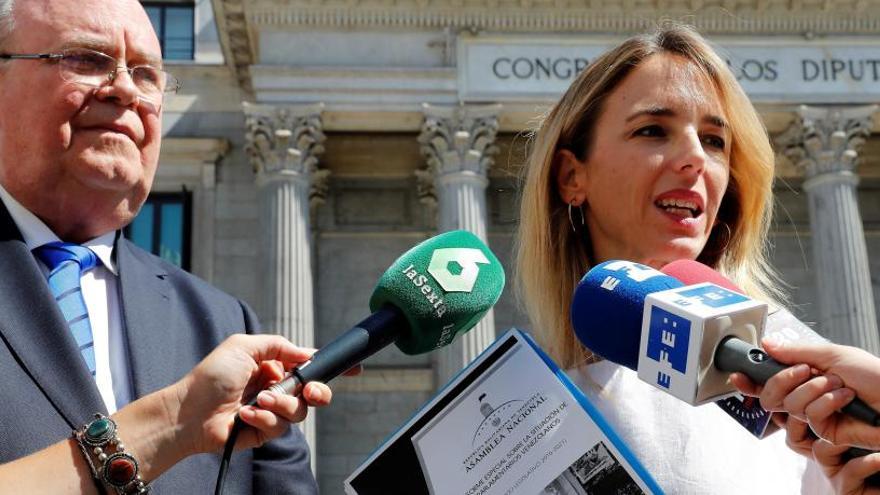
{"x":510,"y":423}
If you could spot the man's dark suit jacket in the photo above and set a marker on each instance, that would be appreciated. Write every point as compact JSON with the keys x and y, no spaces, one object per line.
{"x":172,"y":320}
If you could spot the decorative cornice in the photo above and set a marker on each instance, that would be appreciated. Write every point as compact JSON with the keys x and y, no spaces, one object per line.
{"x":284,"y":142}
{"x":825,"y":140}
{"x":454,"y":140}
{"x":808,"y":17}
{"x":238,"y":48}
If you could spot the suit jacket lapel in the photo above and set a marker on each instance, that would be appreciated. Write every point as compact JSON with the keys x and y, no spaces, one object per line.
{"x":35,"y":330}
{"x":146,"y":308}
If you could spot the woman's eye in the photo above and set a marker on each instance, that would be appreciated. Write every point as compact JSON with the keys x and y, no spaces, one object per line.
{"x":715,"y":142}
{"x":650,"y":131}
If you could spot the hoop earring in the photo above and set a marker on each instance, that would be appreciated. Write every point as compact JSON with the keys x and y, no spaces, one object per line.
{"x":571,"y":218}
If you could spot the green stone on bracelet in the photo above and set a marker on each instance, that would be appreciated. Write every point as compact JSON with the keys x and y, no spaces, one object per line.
{"x":98,"y":429}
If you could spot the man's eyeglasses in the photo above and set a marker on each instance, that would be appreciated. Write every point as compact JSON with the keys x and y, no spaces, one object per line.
{"x":93,"y":68}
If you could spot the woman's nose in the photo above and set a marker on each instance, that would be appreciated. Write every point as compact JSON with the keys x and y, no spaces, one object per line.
{"x":690,"y":156}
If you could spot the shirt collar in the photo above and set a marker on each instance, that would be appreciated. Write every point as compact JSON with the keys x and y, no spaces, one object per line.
{"x":35,"y":233}
{"x":102,"y":246}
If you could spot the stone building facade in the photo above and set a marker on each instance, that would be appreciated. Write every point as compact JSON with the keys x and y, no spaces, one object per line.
{"x":317,"y":140}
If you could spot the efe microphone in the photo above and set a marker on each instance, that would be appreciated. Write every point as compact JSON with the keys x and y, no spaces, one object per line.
{"x":689,"y":338}
{"x":749,"y":359}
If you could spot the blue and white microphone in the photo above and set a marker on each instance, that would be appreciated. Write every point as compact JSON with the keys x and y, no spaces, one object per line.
{"x":667,"y":332}
{"x":684,"y":340}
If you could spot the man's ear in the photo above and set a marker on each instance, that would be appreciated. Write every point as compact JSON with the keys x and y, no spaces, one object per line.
{"x":571,"y":178}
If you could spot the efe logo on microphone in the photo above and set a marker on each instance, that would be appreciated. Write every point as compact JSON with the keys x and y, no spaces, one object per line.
{"x":456,"y":269}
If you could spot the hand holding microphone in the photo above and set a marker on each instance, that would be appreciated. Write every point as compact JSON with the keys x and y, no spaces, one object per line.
{"x":845,"y":372}
{"x":821,"y":401}
{"x":211,"y":392}
{"x":432,"y":293}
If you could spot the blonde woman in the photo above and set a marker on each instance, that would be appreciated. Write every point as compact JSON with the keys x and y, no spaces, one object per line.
{"x":654,"y":154}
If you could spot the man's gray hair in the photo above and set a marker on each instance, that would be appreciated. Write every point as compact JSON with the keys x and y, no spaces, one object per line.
{"x":6,"y":21}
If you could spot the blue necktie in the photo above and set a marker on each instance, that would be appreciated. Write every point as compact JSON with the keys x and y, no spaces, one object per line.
{"x":66,"y":262}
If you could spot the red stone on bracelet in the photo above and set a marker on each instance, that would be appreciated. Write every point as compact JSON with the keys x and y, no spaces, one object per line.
{"x":120,"y":469}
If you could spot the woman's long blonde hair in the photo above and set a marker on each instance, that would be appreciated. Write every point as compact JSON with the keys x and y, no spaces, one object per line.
{"x":551,"y":258}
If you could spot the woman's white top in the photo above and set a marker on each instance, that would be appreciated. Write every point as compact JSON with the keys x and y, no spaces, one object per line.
{"x":699,"y":450}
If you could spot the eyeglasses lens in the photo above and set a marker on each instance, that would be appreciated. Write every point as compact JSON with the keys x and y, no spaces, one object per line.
{"x":95,"y":69}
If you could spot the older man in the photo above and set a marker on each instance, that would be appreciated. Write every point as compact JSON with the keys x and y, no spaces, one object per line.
{"x":81,"y":96}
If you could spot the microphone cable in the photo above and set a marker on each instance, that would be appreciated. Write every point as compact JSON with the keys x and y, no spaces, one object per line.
{"x":227,"y":454}
{"x":291,"y":385}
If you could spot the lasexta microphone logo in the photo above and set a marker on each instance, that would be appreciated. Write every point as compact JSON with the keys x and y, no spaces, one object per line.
{"x":457,"y":269}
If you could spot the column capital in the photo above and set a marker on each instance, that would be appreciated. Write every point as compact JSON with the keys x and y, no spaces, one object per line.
{"x":456,"y":140}
{"x":825,"y":140}
{"x":283,"y":142}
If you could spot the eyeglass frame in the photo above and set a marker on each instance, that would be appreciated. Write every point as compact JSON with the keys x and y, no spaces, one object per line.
{"x":111,"y":76}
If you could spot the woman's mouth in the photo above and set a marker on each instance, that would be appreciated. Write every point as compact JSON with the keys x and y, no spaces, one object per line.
{"x":679,"y":207}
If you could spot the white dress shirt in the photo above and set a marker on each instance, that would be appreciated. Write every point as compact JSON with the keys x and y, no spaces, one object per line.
{"x":100,"y":292}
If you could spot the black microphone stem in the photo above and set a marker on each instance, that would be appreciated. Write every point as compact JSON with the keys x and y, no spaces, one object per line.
{"x":363,"y":340}
{"x":735,"y":355}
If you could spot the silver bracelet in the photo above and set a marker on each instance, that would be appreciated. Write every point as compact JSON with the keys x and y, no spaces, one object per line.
{"x":115,"y":467}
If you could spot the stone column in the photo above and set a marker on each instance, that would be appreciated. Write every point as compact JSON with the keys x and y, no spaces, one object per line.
{"x":824,"y":144}
{"x":458,"y":145}
{"x":203,"y":199}
{"x":283,"y":144}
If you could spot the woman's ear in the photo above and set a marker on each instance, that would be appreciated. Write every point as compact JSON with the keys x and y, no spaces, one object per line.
{"x":571,"y":178}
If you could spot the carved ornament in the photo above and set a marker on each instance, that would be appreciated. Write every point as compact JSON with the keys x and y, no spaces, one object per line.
{"x":285,"y":141}
{"x":454,"y":140}
{"x":827,"y":139}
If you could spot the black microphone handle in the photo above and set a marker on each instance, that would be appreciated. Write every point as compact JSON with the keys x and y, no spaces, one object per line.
{"x":366,"y":338}
{"x":734,"y":354}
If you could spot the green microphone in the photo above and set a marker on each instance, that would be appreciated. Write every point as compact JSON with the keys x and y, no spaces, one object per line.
{"x":435,"y":291}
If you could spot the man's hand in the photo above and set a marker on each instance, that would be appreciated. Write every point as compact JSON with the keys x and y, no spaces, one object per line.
{"x":212,"y":394}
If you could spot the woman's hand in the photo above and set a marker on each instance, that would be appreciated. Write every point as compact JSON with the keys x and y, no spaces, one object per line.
{"x":814,"y":392}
